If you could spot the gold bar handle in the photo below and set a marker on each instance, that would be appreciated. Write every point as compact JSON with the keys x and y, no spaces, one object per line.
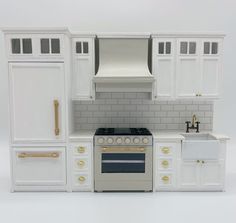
{"x":123,"y":149}
{"x":56,"y":116}
{"x":39,"y":155}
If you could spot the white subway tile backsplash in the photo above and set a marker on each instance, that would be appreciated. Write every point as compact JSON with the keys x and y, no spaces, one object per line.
{"x":135,"y":110}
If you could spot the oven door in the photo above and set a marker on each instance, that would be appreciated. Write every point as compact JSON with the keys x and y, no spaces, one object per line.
{"x":123,"y":163}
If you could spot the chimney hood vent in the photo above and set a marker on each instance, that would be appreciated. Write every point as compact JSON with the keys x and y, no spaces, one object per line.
{"x":123,"y":65}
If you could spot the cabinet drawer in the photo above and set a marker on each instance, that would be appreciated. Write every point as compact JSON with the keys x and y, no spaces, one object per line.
{"x":165,"y":149}
{"x":82,"y":179}
{"x":165,"y":179}
{"x":165,"y":164}
{"x":82,"y":149}
{"x":39,"y":166}
{"x":81,"y":164}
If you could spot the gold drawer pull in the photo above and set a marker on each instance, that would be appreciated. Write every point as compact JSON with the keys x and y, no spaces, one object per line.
{"x":56,"y":116}
{"x":81,"y":149}
{"x":165,"y":163}
{"x":165,"y":179}
{"x":81,"y":179}
{"x":81,"y":163}
{"x":38,"y":155}
{"x":165,"y":150}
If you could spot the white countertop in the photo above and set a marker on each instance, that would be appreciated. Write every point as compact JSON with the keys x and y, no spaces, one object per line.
{"x":157,"y":135}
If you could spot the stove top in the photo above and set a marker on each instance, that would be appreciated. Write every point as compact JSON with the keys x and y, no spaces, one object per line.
{"x":122,"y":131}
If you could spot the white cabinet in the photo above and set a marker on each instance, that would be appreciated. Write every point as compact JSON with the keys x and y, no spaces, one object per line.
{"x":164,"y":67}
{"x":35,"y":46}
{"x":166,"y":154}
{"x":37,"y":101}
{"x":81,"y":166}
{"x":187,"y":66}
{"x":198,"y":67}
{"x":83,"y":68}
{"x":201,"y":175}
{"x":39,"y":166}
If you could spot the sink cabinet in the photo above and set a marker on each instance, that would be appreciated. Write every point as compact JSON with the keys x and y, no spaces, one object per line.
{"x":201,"y":175}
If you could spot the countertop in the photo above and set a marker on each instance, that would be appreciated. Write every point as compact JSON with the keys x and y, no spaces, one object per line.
{"x":157,"y":135}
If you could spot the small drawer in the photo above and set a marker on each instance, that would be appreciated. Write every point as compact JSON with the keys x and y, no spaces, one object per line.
{"x":82,"y":180}
{"x":166,"y":149}
{"x":165,"y":179}
{"x":81,"y":164}
{"x":165,"y":164}
{"x":82,"y":149}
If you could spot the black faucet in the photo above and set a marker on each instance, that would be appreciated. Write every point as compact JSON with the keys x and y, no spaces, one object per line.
{"x":194,"y":125}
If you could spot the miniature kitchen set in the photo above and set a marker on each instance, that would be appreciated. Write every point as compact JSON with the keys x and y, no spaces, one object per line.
{"x":114,"y":111}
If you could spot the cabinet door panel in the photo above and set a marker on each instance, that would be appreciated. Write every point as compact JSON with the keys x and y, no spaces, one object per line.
{"x":210,"y":75}
{"x":82,"y":77}
{"x":39,"y":166}
{"x":189,"y":175}
{"x":188,"y":77}
{"x":34,"y":87}
{"x":212,"y":174}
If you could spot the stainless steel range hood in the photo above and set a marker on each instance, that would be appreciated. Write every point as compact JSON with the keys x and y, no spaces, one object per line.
{"x":123,"y":64}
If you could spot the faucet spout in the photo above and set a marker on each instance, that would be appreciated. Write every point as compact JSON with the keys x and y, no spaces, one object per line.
{"x":194,"y":120}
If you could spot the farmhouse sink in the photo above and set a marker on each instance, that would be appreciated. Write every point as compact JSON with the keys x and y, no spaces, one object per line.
{"x":200,"y":146}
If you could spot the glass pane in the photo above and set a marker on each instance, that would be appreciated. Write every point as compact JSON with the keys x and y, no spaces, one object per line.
{"x":206,"y":47}
{"x":44,"y":46}
{"x":27,"y":46}
{"x":192,"y":47}
{"x":55,"y":46}
{"x":214,"y":48}
{"x":123,"y":163}
{"x":168,"y":47}
{"x":15,"y":46}
{"x":85,"y":47}
{"x":161,"y":48}
{"x":183,"y":47}
{"x":78,"y":47}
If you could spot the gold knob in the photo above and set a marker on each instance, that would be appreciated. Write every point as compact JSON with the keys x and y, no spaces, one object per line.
{"x":198,"y":161}
{"x":165,"y":150}
{"x":165,"y":179}
{"x":81,"y":149}
{"x":82,"y":179}
{"x":81,"y":163}
{"x":165,"y":163}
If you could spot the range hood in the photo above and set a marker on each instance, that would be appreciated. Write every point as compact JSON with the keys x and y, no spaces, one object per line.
{"x":123,"y":64}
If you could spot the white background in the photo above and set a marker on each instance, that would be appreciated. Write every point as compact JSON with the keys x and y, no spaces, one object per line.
{"x":125,"y":15}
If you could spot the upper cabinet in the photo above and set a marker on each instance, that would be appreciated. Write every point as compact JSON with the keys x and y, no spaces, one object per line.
{"x":35,"y":46}
{"x":187,"y":66}
{"x":83,"y":69}
{"x":164,"y":67}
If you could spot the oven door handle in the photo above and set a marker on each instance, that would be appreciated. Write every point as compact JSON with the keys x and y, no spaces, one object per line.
{"x":123,"y":149}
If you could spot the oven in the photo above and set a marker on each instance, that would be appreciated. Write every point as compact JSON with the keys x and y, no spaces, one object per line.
{"x":123,"y":166}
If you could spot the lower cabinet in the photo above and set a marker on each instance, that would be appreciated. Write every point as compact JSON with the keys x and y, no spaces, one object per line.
{"x":39,"y":166}
{"x":201,"y":175}
{"x":81,"y":166}
{"x":165,"y":165}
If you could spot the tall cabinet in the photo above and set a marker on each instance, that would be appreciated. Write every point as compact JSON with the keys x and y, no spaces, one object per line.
{"x":37,"y":90}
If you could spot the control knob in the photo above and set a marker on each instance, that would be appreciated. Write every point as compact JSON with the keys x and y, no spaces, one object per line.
{"x":127,"y":140}
{"x":110,"y":140}
{"x":145,"y":140}
{"x":100,"y":140}
{"x":136,"y":140}
{"x":119,"y":140}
